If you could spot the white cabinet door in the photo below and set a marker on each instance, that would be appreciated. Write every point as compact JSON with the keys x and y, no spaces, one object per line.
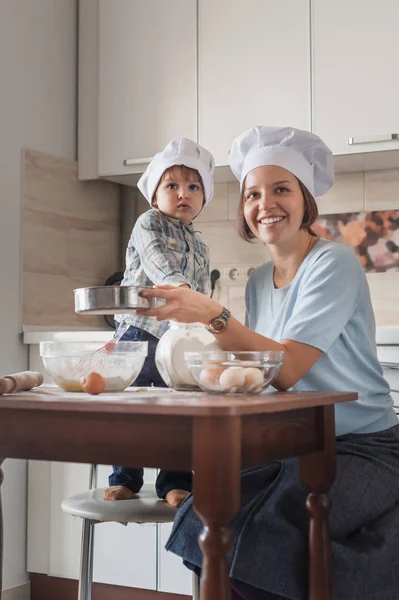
{"x":355,"y":66}
{"x":173,"y":576}
{"x":39,"y":510}
{"x":66,"y":479}
{"x":254,"y":68}
{"x":147,"y":91}
{"x":122,"y":555}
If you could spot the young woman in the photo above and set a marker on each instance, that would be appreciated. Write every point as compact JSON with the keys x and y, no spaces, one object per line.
{"x":312,"y":302}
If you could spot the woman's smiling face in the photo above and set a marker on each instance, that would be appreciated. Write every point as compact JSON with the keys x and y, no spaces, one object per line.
{"x":273,"y":204}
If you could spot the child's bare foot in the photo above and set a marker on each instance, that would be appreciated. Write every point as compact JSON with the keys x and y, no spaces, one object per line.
{"x":176,"y":497}
{"x":118,"y":492}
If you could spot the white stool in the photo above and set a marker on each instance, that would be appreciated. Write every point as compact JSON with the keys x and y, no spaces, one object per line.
{"x":92,"y":508}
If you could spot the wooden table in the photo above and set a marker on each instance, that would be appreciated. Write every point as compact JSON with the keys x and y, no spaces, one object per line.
{"x":215,"y":436}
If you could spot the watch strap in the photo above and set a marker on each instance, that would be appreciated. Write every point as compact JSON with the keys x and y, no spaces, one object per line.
{"x":224,"y":317}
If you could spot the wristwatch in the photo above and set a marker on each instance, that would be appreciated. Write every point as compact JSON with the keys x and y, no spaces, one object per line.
{"x":219,"y":324}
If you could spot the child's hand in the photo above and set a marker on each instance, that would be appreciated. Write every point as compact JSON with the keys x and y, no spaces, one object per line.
{"x":181,"y":304}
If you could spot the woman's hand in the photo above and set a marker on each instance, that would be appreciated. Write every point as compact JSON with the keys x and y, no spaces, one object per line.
{"x":186,"y":306}
{"x":181,"y":304}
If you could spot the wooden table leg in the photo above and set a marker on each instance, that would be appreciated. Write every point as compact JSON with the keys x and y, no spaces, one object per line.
{"x":317,"y":472}
{"x":217,"y":463}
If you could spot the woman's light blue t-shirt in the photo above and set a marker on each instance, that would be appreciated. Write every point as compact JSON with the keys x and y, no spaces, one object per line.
{"x":327,"y":305}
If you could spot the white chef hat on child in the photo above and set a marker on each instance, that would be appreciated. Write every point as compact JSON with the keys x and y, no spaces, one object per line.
{"x":302,"y":153}
{"x":180,"y":151}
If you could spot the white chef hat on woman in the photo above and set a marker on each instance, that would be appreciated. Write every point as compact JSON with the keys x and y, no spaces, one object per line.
{"x":302,"y":153}
{"x":180,"y":151}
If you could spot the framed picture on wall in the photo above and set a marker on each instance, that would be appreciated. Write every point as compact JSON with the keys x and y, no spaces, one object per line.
{"x":374,"y":236}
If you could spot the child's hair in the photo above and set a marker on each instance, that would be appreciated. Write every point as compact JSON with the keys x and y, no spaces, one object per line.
{"x":310,"y":215}
{"x":187,"y":172}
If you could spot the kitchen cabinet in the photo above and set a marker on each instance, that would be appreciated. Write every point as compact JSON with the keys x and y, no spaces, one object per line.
{"x":254,"y":68}
{"x":138,"y":79}
{"x":355,"y":53}
{"x":137,"y":82}
{"x":388,"y":355}
{"x":123,"y":555}
{"x":173,"y":576}
{"x":151,"y":71}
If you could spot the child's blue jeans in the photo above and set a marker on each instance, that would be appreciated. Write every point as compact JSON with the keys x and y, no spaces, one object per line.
{"x":132,"y":478}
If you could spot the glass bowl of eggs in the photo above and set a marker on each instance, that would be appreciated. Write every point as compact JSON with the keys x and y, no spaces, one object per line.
{"x":69,"y":364}
{"x":221,"y":372}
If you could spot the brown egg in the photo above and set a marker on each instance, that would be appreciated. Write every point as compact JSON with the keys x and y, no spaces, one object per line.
{"x":209,"y":377}
{"x":93,"y":384}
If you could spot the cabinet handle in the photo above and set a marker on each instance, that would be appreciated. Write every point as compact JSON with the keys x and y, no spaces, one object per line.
{"x":389,"y":137}
{"x":389,"y":365}
{"x":131,"y":162}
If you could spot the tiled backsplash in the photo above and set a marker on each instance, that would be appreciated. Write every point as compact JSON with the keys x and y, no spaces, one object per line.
{"x":71,"y":237}
{"x":352,"y":192}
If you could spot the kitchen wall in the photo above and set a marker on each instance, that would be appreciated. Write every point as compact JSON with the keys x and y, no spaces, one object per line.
{"x":71,"y":238}
{"x":381,"y":192}
{"x":38,"y":50}
{"x":352,"y":192}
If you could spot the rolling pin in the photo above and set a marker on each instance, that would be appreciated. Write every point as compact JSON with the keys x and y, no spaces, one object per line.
{"x":18,"y":382}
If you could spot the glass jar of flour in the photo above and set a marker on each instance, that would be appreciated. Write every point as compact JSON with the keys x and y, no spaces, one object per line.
{"x":169,"y":355}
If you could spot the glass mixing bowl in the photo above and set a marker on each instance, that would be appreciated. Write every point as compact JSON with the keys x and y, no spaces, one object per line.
{"x":67,"y":362}
{"x":234,"y":372}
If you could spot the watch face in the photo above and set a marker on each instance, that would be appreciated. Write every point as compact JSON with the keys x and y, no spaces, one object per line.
{"x":218,"y":325}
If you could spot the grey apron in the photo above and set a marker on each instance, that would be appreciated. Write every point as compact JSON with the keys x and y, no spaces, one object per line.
{"x":270,"y":529}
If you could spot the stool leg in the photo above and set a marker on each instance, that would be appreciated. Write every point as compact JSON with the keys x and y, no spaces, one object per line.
{"x":91,"y":558}
{"x":196,"y":587}
{"x":86,"y":560}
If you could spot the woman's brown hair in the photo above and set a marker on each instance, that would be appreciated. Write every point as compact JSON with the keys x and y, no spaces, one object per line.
{"x":310,"y":215}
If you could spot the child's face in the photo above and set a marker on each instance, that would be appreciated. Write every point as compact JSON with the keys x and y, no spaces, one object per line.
{"x":180,"y":195}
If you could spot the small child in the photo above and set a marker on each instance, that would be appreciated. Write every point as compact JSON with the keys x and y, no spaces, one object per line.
{"x":165,"y":250}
